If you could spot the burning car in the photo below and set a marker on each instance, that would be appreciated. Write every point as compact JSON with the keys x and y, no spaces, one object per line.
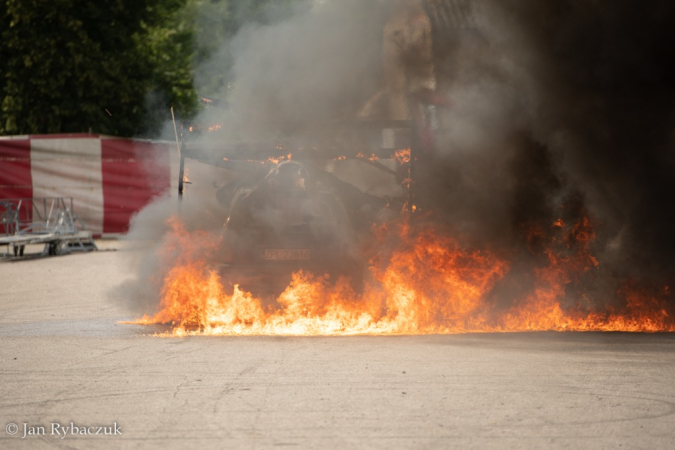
{"x":287,"y":222}
{"x":295,"y":203}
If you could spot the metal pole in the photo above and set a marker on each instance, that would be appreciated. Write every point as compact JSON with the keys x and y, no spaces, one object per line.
{"x":17,"y":228}
{"x":179,"y":147}
{"x":181,"y":172}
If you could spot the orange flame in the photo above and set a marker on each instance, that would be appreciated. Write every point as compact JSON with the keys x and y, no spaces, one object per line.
{"x":425,"y":284}
{"x":373,"y":157}
{"x":278,"y":159}
{"x":209,"y":128}
{"x":402,"y":156}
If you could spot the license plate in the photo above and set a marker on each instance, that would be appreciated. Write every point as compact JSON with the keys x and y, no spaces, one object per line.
{"x":287,"y":254}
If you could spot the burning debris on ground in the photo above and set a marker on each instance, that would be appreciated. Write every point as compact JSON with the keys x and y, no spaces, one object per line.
{"x":419,"y":275}
{"x":523,"y":201}
{"x":420,"y":283}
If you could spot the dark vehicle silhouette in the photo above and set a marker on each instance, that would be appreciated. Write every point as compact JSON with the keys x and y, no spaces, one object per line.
{"x":286,"y":223}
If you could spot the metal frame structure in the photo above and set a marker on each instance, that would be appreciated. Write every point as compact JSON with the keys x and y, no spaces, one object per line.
{"x":319,"y":142}
{"x":49,"y":221}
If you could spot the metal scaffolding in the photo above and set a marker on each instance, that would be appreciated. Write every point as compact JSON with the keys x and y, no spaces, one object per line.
{"x":49,"y":221}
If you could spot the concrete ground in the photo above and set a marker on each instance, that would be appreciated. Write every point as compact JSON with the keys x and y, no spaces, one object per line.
{"x":66,"y":360}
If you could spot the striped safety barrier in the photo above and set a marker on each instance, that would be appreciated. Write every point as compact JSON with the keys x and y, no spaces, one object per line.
{"x":108,"y":178}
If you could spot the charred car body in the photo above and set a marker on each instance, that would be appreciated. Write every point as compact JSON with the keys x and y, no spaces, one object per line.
{"x":285,"y":223}
{"x":300,"y":216}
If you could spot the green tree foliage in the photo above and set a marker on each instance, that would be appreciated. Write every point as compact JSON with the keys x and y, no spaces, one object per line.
{"x":114,"y":66}
{"x":75,"y":65}
{"x":170,"y":50}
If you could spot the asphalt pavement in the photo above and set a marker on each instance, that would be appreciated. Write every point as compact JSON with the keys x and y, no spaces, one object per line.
{"x":69,"y":367}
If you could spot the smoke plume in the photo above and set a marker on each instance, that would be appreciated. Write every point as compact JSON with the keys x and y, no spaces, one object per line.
{"x":560,"y":111}
{"x":594,"y":83}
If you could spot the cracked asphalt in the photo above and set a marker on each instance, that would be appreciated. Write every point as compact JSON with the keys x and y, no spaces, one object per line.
{"x":66,"y":360}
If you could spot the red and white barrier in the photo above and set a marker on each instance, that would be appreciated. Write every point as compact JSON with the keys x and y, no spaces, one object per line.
{"x":108,"y":178}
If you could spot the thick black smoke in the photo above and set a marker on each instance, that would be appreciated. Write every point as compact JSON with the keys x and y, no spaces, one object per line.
{"x":562,"y":110}
{"x":599,"y":78}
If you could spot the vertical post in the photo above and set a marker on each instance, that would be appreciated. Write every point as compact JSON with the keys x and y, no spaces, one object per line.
{"x":181,"y":156}
{"x":181,"y":171}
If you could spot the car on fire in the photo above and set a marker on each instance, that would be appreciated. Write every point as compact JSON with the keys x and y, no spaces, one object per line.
{"x":285,"y":223}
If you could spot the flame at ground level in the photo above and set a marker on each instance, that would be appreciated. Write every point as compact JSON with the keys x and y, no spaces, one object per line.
{"x":426,"y":285}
